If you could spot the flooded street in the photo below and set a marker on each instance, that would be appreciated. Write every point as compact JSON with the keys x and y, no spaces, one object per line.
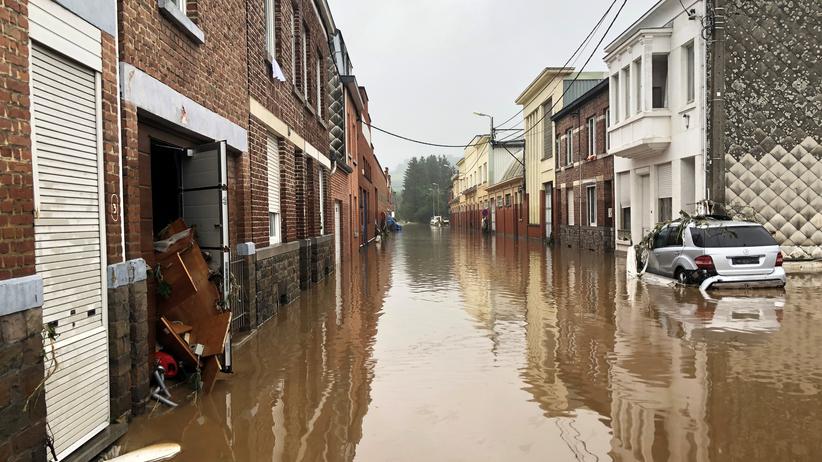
{"x":438,"y":346}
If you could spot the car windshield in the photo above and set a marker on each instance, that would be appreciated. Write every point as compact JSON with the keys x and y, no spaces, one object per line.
{"x":732,"y":236}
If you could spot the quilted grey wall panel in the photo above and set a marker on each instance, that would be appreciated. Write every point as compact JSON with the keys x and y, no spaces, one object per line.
{"x":773,"y":95}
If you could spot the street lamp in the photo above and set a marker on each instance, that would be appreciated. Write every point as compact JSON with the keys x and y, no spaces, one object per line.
{"x":480,"y":114}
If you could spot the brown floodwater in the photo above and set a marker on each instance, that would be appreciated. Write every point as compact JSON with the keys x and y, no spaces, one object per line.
{"x":442,"y":346}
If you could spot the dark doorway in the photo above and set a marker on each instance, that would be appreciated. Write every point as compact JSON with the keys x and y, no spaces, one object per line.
{"x":165,"y":184}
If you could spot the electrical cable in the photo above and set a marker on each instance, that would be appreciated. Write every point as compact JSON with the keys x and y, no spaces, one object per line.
{"x":545,"y":113}
{"x":573,"y":55}
{"x":463,"y":146}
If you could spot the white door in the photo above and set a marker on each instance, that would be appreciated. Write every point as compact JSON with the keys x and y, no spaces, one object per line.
{"x":204,"y":193}
{"x":645,"y":212}
{"x":70,"y":245}
{"x":337,"y":232}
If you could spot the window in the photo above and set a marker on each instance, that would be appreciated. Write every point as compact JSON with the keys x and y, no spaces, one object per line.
{"x":322,"y":200}
{"x":507,"y":200}
{"x":547,"y":131}
{"x":607,"y":126}
{"x":485,"y":173}
{"x":270,"y":29}
{"x":732,"y":236}
{"x":180,"y":4}
{"x":569,"y":206}
{"x":689,"y":69}
{"x":304,"y":46}
{"x":638,"y":86}
{"x":273,"y":162}
{"x":624,"y":205}
{"x":591,"y":204}
{"x":295,"y":71}
{"x":615,"y":89}
{"x":569,"y":146}
{"x":626,"y":92}
{"x":592,"y":136}
{"x":659,"y":81}
{"x":557,"y":147}
{"x":664,"y":192}
{"x":319,"y":84}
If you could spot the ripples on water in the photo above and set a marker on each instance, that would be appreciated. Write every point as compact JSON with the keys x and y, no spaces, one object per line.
{"x":439,"y":346}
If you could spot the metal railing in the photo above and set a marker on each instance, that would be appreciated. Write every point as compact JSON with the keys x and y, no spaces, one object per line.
{"x":240,"y":316}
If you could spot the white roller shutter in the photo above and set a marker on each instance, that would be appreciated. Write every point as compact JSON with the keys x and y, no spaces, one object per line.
{"x":273,"y":155}
{"x":274,"y":217}
{"x":70,"y":244}
{"x":663,"y":181}
{"x":624,"y":190}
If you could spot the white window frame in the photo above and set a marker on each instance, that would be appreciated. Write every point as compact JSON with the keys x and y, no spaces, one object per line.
{"x":294,"y":22}
{"x":274,"y":213}
{"x":690,"y":72}
{"x":569,"y":147}
{"x":270,"y":29}
{"x":591,"y":205}
{"x":319,"y":84}
{"x":180,"y":4}
{"x":304,"y":38}
{"x":592,"y":135}
{"x":569,"y":206}
{"x":607,"y":126}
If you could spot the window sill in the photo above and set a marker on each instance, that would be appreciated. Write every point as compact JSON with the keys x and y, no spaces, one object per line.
{"x":173,"y":14}
{"x":688,"y":107}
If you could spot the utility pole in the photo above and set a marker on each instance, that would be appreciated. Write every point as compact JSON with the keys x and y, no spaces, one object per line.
{"x":716,"y":152}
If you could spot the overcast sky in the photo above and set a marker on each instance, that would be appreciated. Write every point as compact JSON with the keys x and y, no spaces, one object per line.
{"x":428,"y":64}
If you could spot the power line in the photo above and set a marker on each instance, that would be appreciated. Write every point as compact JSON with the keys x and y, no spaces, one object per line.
{"x":463,"y":146}
{"x":581,"y":45}
{"x":545,"y":113}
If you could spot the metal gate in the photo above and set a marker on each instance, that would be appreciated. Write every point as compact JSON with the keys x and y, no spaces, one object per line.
{"x":240,"y":315}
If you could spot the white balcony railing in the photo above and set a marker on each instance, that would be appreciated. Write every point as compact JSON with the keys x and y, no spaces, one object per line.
{"x":641,"y":135}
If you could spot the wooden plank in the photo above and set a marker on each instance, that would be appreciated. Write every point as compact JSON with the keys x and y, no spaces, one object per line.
{"x":210,"y":370}
{"x":175,"y":345}
{"x":212,"y":332}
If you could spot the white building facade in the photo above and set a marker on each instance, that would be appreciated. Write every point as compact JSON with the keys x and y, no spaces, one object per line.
{"x":657,"y":122}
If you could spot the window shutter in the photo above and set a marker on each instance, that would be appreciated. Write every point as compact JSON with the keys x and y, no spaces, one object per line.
{"x":663,"y":180}
{"x":624,"y":190}
{"x":70,"y":244}
{"x":273,"y":154}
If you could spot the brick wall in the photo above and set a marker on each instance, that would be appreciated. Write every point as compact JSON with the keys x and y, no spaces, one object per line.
{"x":339,"y":192}
{"x":16,"y":194}
{"x":213,"y":74}
{"x":111,"y":149}
{"x":287,"y":101}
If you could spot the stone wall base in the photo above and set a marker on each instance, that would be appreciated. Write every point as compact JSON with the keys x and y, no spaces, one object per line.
{"x":129,"y":374}
{"x":22,"y":432}
{"x":276,"y":281}
{"x":597,"y":239}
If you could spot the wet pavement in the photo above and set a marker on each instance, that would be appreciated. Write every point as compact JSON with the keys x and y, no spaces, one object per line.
{"x":441,"y":346}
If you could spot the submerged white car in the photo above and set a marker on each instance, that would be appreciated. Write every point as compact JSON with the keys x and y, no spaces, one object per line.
{"x":718,"y":253}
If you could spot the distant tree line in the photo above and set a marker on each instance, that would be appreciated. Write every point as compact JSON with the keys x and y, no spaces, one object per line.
{"x":425,"y":188}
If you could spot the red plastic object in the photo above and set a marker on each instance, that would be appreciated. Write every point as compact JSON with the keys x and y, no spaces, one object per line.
{"x":168,"y":363}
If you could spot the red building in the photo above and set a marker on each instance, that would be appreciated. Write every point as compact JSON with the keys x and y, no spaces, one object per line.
{"x":584,"y":204}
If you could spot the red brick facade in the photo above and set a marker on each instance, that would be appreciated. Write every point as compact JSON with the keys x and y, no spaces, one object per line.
{"x":16,"y":194}
{"x":585,"y":170}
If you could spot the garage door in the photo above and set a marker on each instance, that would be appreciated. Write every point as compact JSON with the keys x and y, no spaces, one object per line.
{"x":69,"y":245}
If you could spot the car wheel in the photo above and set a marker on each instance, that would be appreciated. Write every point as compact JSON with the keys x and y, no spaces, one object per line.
{"x":682,"y":276}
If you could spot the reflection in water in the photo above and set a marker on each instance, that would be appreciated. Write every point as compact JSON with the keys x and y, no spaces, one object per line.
{"x":440,"y":346}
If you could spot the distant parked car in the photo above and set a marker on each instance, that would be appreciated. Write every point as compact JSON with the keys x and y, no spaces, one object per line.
{"x":718,"y":253}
